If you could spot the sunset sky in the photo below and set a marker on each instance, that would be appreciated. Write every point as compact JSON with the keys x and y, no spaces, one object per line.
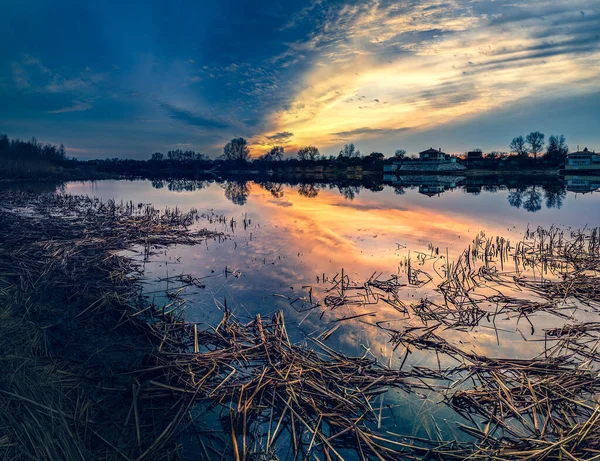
{"x":125,"y":79}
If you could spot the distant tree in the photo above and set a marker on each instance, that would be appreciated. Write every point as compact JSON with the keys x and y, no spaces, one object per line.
{"x":179,"y":155}
{"x":308,"y":153}
{"x":350,"y":151}
{"x":400,"y":154}
{"x":374,"y":157}
{"x":157,"y":156}
{"x":535,"y":139}
{"x":557,"y":149}
{"x":61,"y":154}
{"x":236,"y":150}
{"x":274,"y":155}
{"x":519,"y":146}
{"x":4,"y":146}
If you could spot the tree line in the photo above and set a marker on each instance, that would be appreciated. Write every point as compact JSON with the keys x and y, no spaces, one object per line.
{"x":237,"y":150}
{"x":31,"y":158}
{"x":16,"y":149}
{"x":533,"y":144}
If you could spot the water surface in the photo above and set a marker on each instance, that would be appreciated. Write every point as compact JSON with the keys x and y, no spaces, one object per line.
{"x":286,"y":243}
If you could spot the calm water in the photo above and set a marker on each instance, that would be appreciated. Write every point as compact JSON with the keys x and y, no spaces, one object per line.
{"x":285,"y":241}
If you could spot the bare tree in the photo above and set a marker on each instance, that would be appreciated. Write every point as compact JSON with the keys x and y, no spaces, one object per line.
{"x":350,"y":151}
{"x":535,"y":139}
{"x":308,"y":153}
{"x":236,"y":149}
{"x":400,"y":154}
{"x":275,"y":154}
{"x":518,"y":145}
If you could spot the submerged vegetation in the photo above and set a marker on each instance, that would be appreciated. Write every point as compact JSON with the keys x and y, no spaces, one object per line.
{"x":95,"y":369}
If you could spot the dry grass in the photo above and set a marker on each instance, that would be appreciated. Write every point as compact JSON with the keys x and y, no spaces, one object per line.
{"x":91,"y":370}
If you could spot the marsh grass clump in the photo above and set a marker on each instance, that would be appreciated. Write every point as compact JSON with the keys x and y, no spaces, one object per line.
{"x":68,"y":332}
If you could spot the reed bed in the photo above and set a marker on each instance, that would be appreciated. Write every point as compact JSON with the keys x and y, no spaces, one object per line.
{"x":68,"y":332}
{"x":543,"y":407}
{"x":321,"y":398}
{"x":93,"y":370}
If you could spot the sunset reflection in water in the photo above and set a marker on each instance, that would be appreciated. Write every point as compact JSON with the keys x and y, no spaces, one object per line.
{"x":294,"y":237}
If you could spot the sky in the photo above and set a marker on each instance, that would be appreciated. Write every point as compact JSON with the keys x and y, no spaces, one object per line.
{"x":126,"y":79}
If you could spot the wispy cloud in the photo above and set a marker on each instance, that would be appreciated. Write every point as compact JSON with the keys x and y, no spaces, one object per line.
{"x":283,"y":136}
{"x":425,"y":64}
{"x":193,"y":118}
{"x":77,"y":107}
{"x":366,"y":132}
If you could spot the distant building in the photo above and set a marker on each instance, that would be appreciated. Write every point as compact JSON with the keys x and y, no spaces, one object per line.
{"x":475,"y":158}
{"x":429,"y":160}
{"x":432,"y":155}
{"x":583,"y":160}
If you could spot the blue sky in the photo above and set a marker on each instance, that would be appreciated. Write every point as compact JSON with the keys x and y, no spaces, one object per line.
{"x":125,"y":79}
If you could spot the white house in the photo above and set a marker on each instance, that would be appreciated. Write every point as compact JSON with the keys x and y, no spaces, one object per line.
{"x":583,"y":160}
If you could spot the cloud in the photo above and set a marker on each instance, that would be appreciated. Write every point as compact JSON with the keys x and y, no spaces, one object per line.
{"x":193,"y":118}
{"x":283,"y":136}
{"x":324,"y":70}
{"x":365,"y":131}
{"x":434,"y":63}
{"x":76,"y":107}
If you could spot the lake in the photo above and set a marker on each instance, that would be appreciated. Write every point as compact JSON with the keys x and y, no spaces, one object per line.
{"x":288,"y":247}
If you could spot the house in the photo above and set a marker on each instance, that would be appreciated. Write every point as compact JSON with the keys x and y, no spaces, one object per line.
{"x":583,"y":160}
{"x":429,"y":160}
{"x":475,"y":158}
{"x":432,"y":155}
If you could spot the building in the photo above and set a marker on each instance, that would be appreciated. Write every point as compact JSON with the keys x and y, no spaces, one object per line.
{"x":432,"y":155}
{"x":583,"y":160}
{"x":475,"y":159}
{"x":474,"y":155}
{"x":429,"y":160}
